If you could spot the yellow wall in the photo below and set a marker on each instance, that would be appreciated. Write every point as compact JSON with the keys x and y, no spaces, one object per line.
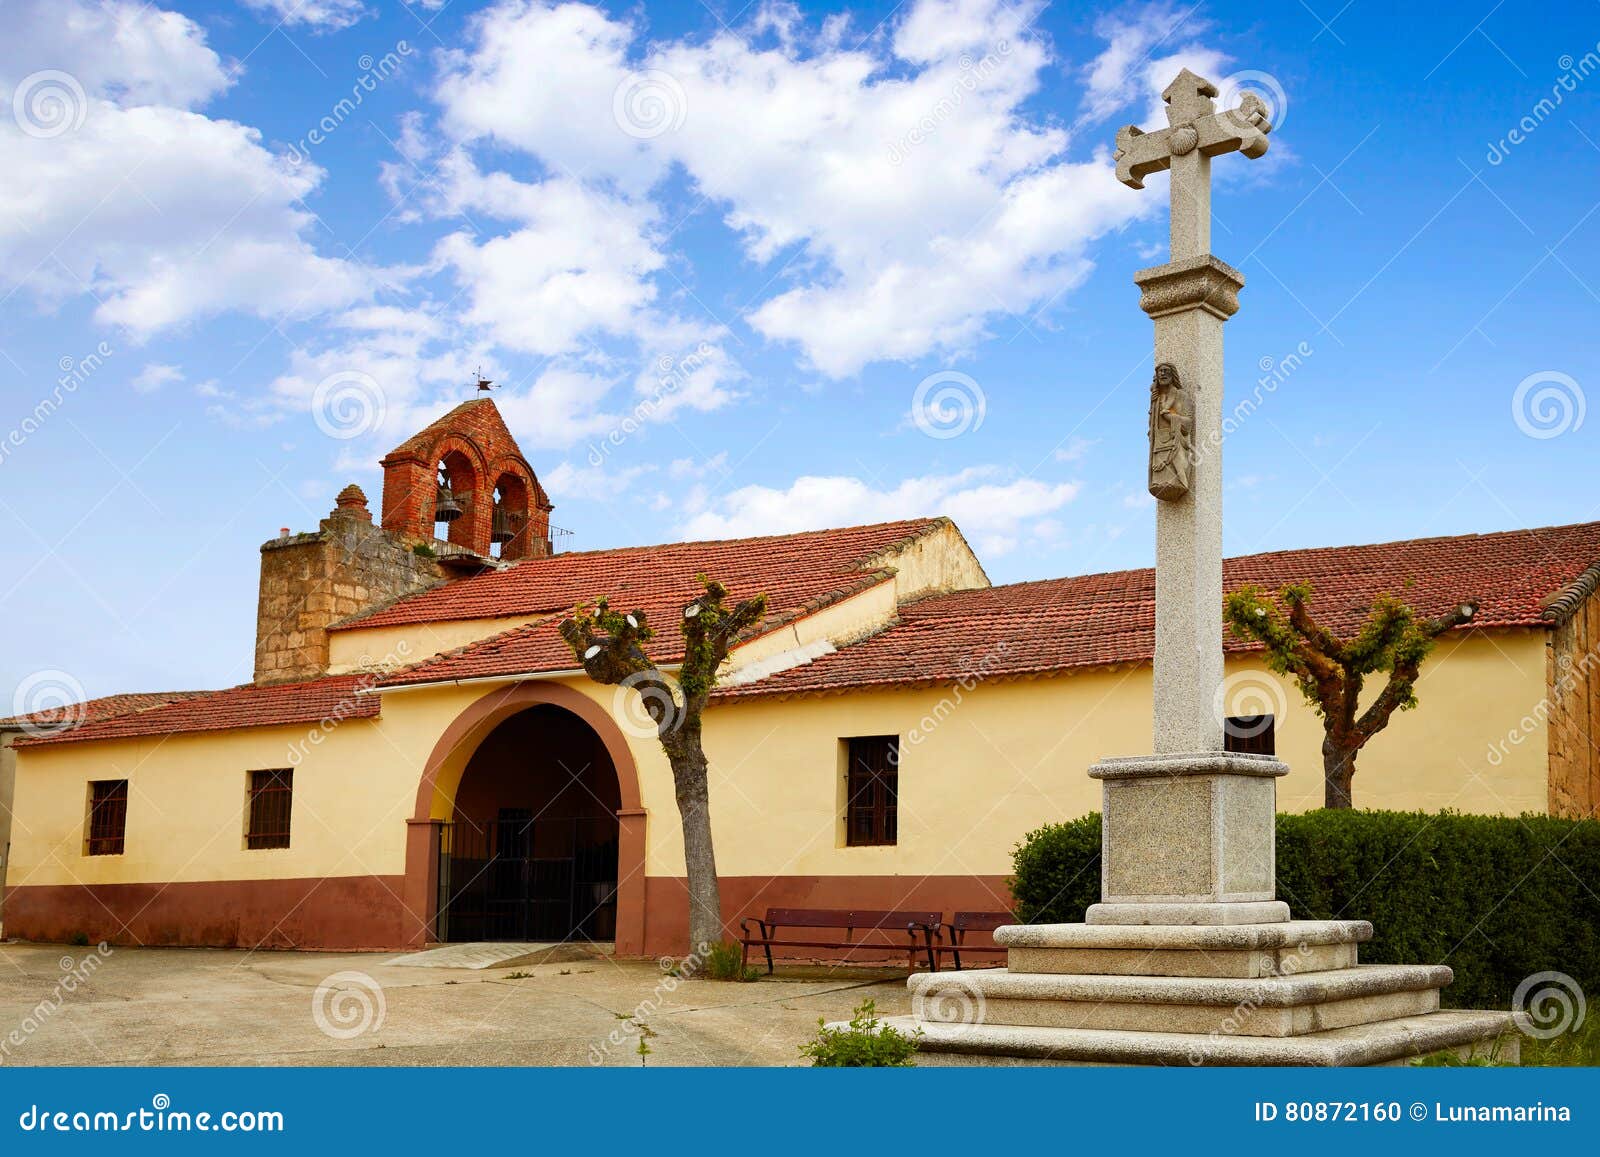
{"x":979,"y":768}
{"x":389,"y":648}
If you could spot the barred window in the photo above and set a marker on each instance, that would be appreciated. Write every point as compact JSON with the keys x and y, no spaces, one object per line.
{"x":271,"y":793}
{"x":872,"y":786}
{"x":108,"y":817}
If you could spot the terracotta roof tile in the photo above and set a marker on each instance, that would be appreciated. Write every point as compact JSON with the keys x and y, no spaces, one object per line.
{"x":94,"y":710}
{"x":794,"y":570}
{"x":246,"y":706}
{"x":1102,"y":619}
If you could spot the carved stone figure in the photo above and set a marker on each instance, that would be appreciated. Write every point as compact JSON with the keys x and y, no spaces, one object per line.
{"x":1171,"y":435}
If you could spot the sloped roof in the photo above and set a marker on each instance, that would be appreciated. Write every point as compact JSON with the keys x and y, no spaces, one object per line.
{"x":1097,"y":620}
{"x":94,"y":710}
{"x":795,"y":570}
{"x":247,"y":706}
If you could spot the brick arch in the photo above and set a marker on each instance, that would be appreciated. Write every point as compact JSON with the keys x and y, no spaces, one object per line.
{"x":527,"y":499}
{"x":441,"y":775}
{"x":475,"y":430}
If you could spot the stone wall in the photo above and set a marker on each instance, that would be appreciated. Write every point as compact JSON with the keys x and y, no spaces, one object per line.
{"x":1573,"y":710}
{"x":310,"y":581}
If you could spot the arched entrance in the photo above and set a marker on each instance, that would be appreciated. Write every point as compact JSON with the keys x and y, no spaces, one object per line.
{"x":530,"y":852}
{"x":528,"y":825}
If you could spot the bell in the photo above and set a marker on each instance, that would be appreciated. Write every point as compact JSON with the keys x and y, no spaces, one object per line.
{"x":504,"y":525}
{"x":445,"y":506}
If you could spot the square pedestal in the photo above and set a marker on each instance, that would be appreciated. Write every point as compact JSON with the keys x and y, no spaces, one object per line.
{"x":1188,"y":839}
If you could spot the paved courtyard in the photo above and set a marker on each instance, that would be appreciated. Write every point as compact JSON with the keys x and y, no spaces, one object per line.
{"x":173,"y":1006}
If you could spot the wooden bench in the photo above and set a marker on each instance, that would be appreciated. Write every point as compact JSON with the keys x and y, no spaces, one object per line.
{"x":965,"y":922}
{"x":912,"y":925}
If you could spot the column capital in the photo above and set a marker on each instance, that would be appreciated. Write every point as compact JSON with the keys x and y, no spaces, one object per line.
{"x":1194,"y":283}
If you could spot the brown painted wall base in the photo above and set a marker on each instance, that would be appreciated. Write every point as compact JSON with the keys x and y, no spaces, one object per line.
{"x":342,"y":912}
{"x":351,"y":913}
{"x":666,"y":902}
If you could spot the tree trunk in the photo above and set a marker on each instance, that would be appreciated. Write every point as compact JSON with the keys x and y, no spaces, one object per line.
{"x":1338,"y":770}
{"x":691,"y":781}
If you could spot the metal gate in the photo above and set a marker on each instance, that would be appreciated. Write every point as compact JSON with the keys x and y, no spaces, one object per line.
{"x":522,"y":878}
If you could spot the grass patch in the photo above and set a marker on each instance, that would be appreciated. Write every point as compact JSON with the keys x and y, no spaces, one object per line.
{"x":725,"y":961}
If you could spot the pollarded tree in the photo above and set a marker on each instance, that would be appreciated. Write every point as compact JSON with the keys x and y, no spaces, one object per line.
{"x":1331,"y":671}
{"x":610,"y":645}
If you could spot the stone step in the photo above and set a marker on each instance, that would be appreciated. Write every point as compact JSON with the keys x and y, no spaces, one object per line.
{"x":1377,"y":1043}
{"x":1246,"y":951}
{"x":1276,"y":1006}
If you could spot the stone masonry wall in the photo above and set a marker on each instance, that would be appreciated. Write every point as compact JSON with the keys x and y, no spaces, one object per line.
{"x":310,"y":581}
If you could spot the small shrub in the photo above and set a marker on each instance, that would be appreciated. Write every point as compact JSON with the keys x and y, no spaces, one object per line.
{"x":1058,"y":872}
{"x":423,"y":550}
{"x":867,"y":1043}
{"x":725,"y":961}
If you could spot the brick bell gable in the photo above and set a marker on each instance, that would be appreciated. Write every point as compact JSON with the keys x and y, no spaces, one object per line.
{"x":478,"y":454}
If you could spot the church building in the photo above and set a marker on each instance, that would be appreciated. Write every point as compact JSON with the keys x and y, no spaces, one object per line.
{"x":418,"y":757}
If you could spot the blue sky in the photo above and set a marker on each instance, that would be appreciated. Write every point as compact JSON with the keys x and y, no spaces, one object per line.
{"x":791,"y":216}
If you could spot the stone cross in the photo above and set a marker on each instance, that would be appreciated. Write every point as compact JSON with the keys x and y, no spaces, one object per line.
{"x":1196,"y":132}
{"x":1188,"y":299}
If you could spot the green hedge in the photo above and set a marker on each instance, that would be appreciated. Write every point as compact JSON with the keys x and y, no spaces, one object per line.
{"x":1496,"y":898}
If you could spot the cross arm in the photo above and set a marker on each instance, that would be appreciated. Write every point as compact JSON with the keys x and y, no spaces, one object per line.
{"x":1140,"y":153}
{"x":1243,"y":129}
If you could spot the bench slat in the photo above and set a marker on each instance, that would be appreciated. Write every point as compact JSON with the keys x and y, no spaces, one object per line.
{"x":862,"y":918}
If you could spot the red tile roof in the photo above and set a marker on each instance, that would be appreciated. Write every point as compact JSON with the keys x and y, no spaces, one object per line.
{"x":94,"y":710}
{"x":799,"y":573}
{"x":795,"y":570}
{"x":1096,"y":620}
{"x":248,"y":706}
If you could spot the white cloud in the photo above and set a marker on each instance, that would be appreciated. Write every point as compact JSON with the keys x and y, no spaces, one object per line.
{"x":910,"y":196}
{"x":996,"y":515}
{"x":579,"y":266}
{"x":120,"y":50}
{"x":164,"y":214}
{"x":320,"y":14}
{"x":155,"y":375}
